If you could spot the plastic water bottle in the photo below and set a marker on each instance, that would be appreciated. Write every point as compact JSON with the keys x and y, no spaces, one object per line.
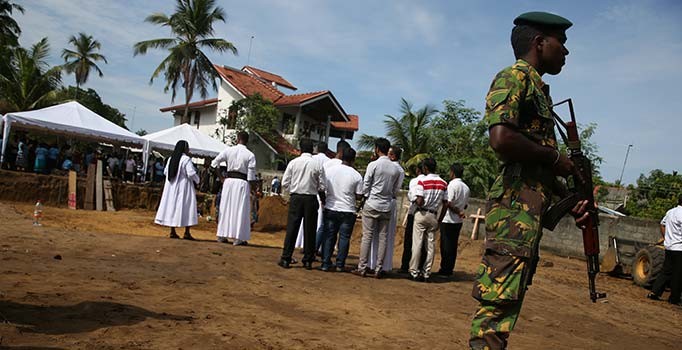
{"x":38,"y":213}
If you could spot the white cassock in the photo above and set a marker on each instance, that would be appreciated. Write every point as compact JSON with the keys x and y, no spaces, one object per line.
{"x":235,"y":201}
{"x":390,"y":236}
{"x":178,"y":207}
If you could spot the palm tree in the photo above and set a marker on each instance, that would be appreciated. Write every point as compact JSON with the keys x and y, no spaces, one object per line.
{"x":9,"y":29}
{"x":186,"y":64}
{"x":407,"y":132}
{"x":81,"y":60}
{"x":26,"y":81}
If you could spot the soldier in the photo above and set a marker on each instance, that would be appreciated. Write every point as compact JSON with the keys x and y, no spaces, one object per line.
{"x":518,"y":114}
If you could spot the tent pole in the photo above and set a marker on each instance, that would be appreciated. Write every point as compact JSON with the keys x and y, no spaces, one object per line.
{"x":5,"y":139}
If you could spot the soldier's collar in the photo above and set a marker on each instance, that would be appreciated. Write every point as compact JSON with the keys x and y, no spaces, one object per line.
{"x":531,"y":71}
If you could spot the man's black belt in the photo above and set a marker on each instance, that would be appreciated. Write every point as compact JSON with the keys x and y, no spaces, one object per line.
{"x":428,"y":210}
{"x":236,"y":175}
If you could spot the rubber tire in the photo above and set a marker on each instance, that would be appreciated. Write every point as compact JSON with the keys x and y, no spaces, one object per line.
{"x":647,"y":265}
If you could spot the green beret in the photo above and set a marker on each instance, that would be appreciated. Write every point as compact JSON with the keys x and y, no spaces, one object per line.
{"x":544,"y":19}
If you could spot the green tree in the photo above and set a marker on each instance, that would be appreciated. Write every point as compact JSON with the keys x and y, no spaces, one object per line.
{"x":186,"y":64}
{"x":9,"y":28}
{"x":141,"y":132}
{"x":459,"y":134}
{"x":82,"y":59}
{"x":406,"y":131}
{"x":90,"y":99}
{"x":654,"y":195}
{"x":255,"y":114}
{"x":590,"y":149}
{"x":26,"y":80}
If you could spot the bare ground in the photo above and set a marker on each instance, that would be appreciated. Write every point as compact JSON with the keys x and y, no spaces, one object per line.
{"x":121,"y":284}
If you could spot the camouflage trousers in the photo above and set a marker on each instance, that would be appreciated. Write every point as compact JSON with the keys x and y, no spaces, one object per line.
{"x":513,"y":233}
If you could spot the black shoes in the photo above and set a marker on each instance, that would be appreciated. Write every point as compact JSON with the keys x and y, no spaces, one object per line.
{"x":284,"y":264}
{"x":379,"y":274}
{"x":188,"y":237}
{"x":653,"y":296}
{"x":358,"y":272}
{"x":308,"y":265}
{"x":174,"y":235}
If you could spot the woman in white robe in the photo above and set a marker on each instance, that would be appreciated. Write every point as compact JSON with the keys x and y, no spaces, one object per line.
{"x":178,"y":207}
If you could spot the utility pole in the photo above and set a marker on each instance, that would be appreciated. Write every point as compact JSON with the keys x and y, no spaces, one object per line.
{"x":248,"y":57}
{"x":620,"y":180}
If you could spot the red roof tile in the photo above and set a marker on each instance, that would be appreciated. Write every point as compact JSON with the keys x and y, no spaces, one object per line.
{"x":248,"y":85}
{"x":196,"y":104}
{"x":289,"y":100}
{"x":279,"y":143}
{"x":352,"y":125}
{"x":271,"y":77}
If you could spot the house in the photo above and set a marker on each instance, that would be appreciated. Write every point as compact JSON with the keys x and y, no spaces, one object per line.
{"x":313,"y":115}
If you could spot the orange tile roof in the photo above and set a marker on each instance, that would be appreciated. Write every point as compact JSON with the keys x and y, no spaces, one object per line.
{"x":271,"y":77}
{"x":289,"y":100}
{"x":196,"y":104}
{"x":280,"y":144}
{"x":352,"y":125}
{"x":248,"y":85}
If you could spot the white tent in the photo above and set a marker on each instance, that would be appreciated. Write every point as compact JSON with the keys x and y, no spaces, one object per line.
{"x":70,"y":119}
{"x":200,"y":145}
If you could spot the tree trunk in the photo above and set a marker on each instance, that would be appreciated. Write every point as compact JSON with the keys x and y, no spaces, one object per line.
{"x":189,"y":91}
{"x":77,"y":88}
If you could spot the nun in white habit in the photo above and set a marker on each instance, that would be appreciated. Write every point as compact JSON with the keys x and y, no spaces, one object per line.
{"x":235,"y":202}
{"x":178,"y":207}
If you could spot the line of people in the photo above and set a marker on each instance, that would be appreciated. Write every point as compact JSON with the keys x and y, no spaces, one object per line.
{"x":326,"y":195}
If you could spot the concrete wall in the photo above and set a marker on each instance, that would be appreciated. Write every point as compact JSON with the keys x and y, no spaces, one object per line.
{"x":566,"y":239}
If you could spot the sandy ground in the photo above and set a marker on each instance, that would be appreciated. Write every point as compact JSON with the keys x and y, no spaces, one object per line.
{"x":101,"y":280}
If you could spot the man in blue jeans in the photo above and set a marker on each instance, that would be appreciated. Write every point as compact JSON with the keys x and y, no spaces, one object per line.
{"x":344,"y":187}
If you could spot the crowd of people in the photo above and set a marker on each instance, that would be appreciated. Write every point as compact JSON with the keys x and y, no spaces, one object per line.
{"x":326,"y":196}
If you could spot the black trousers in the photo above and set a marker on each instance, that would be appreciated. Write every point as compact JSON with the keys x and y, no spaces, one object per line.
{"x":301,"y":206}
{"x":449,"y":235}
{"x":407,"y":246}
{"x":671,"y":275}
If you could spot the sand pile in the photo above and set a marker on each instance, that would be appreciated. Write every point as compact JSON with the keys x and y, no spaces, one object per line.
{"x":272,"y":214}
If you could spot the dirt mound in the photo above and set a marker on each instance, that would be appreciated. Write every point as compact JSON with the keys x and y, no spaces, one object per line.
{"x":272,"y":214}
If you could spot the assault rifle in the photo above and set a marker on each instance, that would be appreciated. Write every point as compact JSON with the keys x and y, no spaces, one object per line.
{"x":581,"y":189}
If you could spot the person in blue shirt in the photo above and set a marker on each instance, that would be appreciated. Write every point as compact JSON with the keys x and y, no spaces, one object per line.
{"x":158,"y":170}
{"x":52,"y":158}
{"x":40,"y":165}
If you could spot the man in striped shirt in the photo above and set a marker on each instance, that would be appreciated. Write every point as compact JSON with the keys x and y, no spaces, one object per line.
{"x":431,"y":196}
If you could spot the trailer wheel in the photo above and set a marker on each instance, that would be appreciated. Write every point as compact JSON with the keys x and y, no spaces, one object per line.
{"x":647,"y":265}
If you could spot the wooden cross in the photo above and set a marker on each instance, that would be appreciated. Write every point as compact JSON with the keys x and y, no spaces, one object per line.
{"x":476,"y":218}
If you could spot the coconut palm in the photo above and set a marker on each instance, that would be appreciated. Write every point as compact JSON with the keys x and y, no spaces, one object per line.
{"x":407,"y":131}
{"x":83,"y":58}
{"x":9,"y":29}
{"x":186,"y":64}
{"x":27,"y":82}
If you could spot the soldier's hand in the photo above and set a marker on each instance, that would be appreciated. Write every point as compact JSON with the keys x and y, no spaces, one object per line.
{"x":563,"y":167}
{"x":580,"y":213}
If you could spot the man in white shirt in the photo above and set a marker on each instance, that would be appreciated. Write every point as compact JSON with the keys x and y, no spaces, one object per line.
{"x":458,"y":200}
{"x":235,"y":202}
{"x":341,"y":146}
{"x":671,"y":229}
{"x":321,"y":157}
{"x":409,"y":225}
{"x":394,"y":154}
{"x":431,"y":195}
{"x":305,"y":179}
{"x":344,"y":187}
{"x":380,"y":185}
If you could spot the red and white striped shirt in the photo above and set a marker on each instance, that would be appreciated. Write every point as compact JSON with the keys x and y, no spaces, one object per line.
{"x":433,"y":189}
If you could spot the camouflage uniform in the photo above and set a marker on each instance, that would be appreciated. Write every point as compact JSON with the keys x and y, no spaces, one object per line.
{"x":520,"y":99}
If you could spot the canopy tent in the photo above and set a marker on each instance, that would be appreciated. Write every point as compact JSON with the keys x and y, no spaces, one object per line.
{"x":70,"y":119}
{"x":200,"y":145}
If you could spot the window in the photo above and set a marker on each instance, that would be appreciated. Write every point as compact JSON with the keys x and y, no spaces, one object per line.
{"x":197,"y":118}
{"x":288,"y":122}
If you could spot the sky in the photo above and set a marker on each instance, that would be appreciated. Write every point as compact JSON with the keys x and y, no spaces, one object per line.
{"x":623,"y":71}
